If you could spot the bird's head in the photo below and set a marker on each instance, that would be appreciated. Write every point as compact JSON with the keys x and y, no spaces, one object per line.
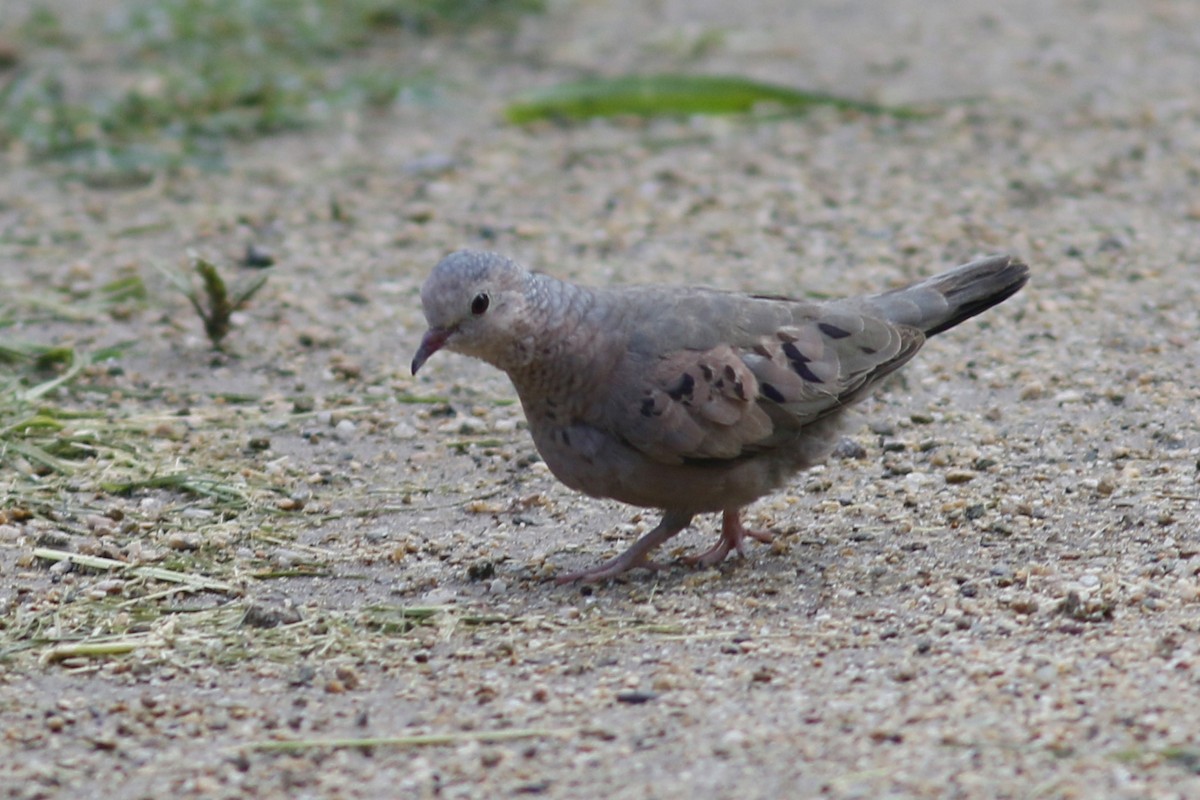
{"x":475,"y":304}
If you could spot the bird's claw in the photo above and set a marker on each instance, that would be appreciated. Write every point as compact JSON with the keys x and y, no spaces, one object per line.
{"x":733,"y":537}
{"x":609,"y":569}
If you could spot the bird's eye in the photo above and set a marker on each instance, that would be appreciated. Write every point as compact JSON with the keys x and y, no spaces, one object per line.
{"x":480,"y":304}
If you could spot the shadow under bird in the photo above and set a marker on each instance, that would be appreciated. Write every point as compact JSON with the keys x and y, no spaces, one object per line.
{"x":688,"y":400}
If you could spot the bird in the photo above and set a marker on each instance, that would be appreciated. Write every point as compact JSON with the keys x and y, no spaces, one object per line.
{"x":688,"y":400}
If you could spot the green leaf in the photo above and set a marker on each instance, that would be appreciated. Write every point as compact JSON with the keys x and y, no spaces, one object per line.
{"x":667,"y":95}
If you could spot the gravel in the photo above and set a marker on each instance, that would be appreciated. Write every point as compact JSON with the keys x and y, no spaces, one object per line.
{"x":993,"y":591}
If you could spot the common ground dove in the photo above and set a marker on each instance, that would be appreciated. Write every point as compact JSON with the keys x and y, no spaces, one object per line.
{"x":688,"y":400}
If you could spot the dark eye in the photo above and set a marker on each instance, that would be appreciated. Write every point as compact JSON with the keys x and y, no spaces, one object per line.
{"x":480,"y":304}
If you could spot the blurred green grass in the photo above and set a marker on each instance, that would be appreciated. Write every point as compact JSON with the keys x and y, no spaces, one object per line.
{"x":677,"y":95}
{"x":161,"y":82}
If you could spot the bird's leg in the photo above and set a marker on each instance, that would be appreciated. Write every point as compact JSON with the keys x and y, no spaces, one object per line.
{"x":733,"y":534}
{"x":638,"y":554}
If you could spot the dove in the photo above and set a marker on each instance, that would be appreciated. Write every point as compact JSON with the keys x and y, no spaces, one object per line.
{"x":684,"y":399}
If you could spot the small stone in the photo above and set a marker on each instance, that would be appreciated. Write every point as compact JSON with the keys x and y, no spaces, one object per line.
{"x":1024,"y":605}
{"x":431,"y":164}
{"x":481,"y":570}
{"x":377,"y":535}
{"x":286,"y":559}
{"x":635,"y":698}
{"x":763,"y":675}
{"x":1033,"y":391}
{"x":265,"y":614}
{"x":403,"y":431}
{"x":955,"y":476}
{"x":419,"y":214}
{"x":847,"y":448}
{"x":110,"y":586}
{"x":1067,"y":397}
{"x":289,"y":503}
{"x":348,"y":676}
{"x":258,"y":256}
{"x":183,"y":541}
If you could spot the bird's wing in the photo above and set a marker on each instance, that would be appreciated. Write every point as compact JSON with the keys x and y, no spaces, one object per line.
{"x":757,"y":388}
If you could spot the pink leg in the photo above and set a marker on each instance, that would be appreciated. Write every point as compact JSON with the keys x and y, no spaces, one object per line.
{"x":732,"y":537}
{"x":638,"y":554}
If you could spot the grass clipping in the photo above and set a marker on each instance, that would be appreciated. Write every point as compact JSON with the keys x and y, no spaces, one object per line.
{"x":675,"y":95}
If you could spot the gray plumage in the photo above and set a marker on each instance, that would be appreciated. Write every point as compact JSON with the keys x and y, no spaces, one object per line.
{"x":687,"y":400}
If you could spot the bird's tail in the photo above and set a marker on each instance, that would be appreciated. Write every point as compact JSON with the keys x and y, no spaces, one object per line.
{"x":941,"y":302}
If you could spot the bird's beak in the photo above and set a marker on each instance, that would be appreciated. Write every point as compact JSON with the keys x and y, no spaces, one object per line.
{"x":433,"y":340}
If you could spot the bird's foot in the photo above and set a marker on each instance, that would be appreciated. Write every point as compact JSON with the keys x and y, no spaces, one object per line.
{"x":637,"y":556}
{"x":733,"y":537}
{"x":612,"y":568}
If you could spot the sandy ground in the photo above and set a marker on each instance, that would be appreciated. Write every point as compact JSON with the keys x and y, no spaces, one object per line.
{"x":1000,"y":599}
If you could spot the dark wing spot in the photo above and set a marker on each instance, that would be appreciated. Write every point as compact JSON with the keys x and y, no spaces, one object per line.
{"x":870,"y":351}
{"x":807,"y":374}
{"x":706,"y":371}
{"x":794,"y":355}
{"x":739,"y":389}
{"x":648,"y":407}
{"x":799,"y":363}
{"x":566,"y":437}
{"x":770,"y":392}
{"x":729,"y":373}
{"x":832,"y":331}
{"x":685,"y":386}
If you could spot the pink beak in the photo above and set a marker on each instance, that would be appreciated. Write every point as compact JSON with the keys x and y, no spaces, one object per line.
{"x":433,"y":340}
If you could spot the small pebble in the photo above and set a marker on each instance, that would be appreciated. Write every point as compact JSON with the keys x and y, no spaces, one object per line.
{"x":258,"y":256}
{"x":955,"y":476}
{"x":183,"y":541}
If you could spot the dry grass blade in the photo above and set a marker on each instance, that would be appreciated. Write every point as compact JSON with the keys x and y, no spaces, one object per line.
{"x":115,"y":647}
{"x":76,"y":365}
{"x":185,"y":481}
{"x":416,"y":740}
{"x":36,"y":435}
{"x":197,"y":582}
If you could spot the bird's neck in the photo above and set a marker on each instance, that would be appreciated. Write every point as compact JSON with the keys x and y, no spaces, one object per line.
{"x":566,"y":351}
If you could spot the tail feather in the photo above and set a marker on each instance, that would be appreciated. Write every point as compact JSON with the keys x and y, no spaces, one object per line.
{"x":943,"y":301}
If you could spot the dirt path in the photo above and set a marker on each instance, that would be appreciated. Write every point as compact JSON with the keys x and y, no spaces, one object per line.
{"x":1001,"y":599}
